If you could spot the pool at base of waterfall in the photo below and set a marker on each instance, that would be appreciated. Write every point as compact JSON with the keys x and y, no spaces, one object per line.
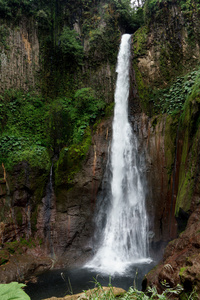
{"x":62,"y":282}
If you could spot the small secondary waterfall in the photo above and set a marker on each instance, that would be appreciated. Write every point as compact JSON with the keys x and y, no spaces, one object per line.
{"x":125,"y":235}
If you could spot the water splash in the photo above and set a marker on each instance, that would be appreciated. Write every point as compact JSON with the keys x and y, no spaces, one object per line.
{"x":125,"y":240}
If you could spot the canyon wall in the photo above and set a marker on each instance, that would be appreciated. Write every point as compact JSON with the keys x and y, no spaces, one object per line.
{"x":164,"y":52}
{"x":19,"y":55}
{"x":55,"y":205}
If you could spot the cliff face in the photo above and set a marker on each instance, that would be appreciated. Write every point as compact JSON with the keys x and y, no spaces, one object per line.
{"x":168,"y":45}
{"x":165,"y":51}
{"x":50,"y":204}
{"x":71,"y":211}
{"x":19,"y":56}
{"x":55,"y":203}
{"x":63,"y":221}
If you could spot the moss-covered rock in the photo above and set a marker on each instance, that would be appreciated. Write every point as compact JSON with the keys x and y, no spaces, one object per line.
{"x":170,"y":135}
{"x":189,"y":174}
{"x":70,"y":161}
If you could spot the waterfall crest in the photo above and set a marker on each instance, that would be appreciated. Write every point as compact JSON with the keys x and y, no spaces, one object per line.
{"x":124,"y":240}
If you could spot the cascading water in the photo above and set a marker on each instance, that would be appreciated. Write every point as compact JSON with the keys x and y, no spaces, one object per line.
{"x":125,"y":235}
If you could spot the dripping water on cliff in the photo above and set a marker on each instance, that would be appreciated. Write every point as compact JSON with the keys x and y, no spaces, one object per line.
{"x":48,"y":206}
{"x":122,"y":220}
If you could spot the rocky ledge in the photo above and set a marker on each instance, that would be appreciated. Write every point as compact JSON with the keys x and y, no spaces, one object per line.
{"x":21,"y":267}
{"x":97,"y":292}
{"x":181,"y":261}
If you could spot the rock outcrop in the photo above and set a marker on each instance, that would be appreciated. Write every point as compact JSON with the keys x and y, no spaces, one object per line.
{"x":61,"y":219}
{"x":98,"y":292}
{"x":181,"y":261}
{"x":22,"y":267}
{"x":75,"y":207}
{"x":168,"y":45}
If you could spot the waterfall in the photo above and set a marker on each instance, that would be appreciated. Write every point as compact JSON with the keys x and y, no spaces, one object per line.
{"x":48,"y":206}
{"x":124,"y":240}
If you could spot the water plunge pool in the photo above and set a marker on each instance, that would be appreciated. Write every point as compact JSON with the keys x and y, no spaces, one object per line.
{"x":62,"y":282}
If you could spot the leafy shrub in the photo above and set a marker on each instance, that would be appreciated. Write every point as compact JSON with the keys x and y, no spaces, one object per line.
{"x":132,"y":293}
{"x":152,"y":293}
{"x":87,"y":108}
{"x":15,"y":9}
{"x":152,"y":8}
{"x":59,"y":123}
{"x":172,"y":99}
{"x":85,"y":101}
{"x":70,"y":45}
{"x":13,"y":291}
{"x":32,"y":127}
{"x":130,"y":18}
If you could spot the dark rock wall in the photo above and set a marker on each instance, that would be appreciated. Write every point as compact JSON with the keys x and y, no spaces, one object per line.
{"x":63,"y":221}
{"x":169,"y":45}
{"x":63,"y":218}
{"x":75,"y":207}
{"x":165,"y":49}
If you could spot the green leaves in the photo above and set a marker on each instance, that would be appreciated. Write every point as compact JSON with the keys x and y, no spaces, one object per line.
{"x":129,"y":18}
{"x":133,"y":292}
{"x":88,"y":107}
{"x":13,"y":291}
{"x":70,"y":45}
{"x":32,"y":127}
{"x":172,"y":99}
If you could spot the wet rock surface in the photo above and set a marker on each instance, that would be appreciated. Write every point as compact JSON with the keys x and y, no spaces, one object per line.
{"x":75,"y":207}
{"x":181,"y":261}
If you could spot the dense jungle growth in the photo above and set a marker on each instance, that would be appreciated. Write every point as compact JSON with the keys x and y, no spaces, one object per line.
{"x":57,"y":111}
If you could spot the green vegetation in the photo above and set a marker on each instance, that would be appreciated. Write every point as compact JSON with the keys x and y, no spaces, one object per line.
{"x":70,"y":46}
{"x":4,"y":31}
{"x":13,"y":291}
{"x":22,"y":125}
{"x":170,"y":134}
{"x":34,"y":128}
{"x":129,"y":19}
{"x":15,"y":247}
{"x":132,"y":293}
{"x":153,"y":8}
{"x":140,"y":39}
{"x":70,"y":160}
{"x":172,"y":99}
{"x":190,"y":124}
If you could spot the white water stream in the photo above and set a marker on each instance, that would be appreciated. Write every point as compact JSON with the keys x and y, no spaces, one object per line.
{"x":125,"y":240}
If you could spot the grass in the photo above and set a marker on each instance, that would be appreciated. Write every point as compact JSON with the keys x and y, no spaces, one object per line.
{"x":110,"y":292}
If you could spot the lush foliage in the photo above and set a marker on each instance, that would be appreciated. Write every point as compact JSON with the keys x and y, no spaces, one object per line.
{"x":134,"y":294}
{"x":129,"y":18}
{"x":152,"y":8}
{"x":152,"y":293}
{"x":171,"y":100}
{"x":23,"y":123}
{"x":33,"y":128}
{"x":70,"y":45}
{"x":13,"y":291}
{"x":14,"y":9}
